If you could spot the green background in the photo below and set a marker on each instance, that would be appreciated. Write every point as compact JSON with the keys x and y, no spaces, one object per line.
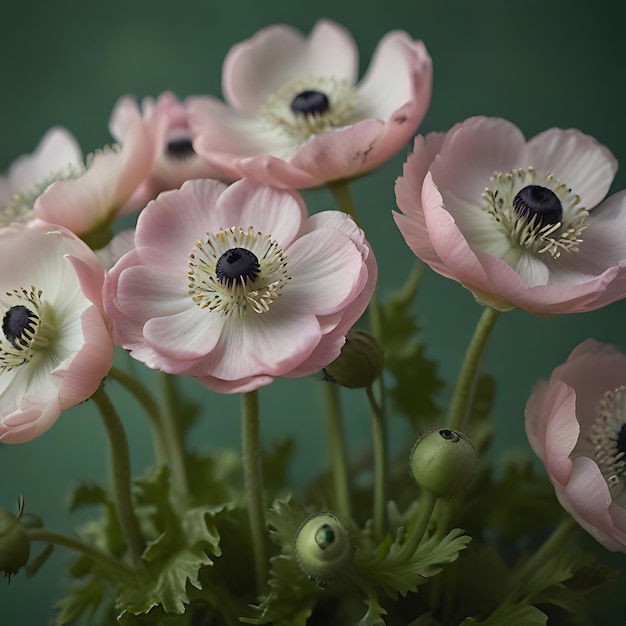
{"x":539,"y":64}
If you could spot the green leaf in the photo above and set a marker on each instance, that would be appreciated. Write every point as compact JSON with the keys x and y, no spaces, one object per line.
{"x":164,"y":584}
{"x":512,"y":615}
{"x":416,"y":380}
{"x":375,"y":612}
{"x":174,"y":557}
{"x":80,"y":600}
{"x":396,"y":574}
{"x":86,"y":494}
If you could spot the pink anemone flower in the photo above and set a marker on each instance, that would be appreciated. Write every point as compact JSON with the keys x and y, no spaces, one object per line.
{"x":174,"y":160}
{"x":236,"y":285}
{"x":56,"y":157}
{"x":576,"y":424}
{"x":55,"y":344}
{"x":88,"y":204}
{"x":521,"y":224}
{"x":296,"y":116}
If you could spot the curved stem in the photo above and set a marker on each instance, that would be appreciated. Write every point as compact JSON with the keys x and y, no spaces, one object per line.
{"x":379,"y":438}
{"x":115,"y":568}
{"x":337,"y":450}
{"x":419,"y":525}
{"x":149,"y":404}
{"x":252,"y":471}
{"x":465,"y":381}
{"x":120,"y":473}
{"x":547,"y":550}
{"x":172,"y":436}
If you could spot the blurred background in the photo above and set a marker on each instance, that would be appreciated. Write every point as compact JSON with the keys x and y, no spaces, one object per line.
{"x":538,"y":63}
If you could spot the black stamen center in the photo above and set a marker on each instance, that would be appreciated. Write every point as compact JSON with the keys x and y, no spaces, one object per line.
{"x":180,"y":148}
{"x":538,"y":201}
{"x":237,"y":264}
{"x":310,"y":102}
{"x":621,"y":440}
{"x":16,"y":321}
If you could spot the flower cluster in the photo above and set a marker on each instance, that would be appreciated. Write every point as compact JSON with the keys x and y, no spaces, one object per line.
{"x":228,"y":278}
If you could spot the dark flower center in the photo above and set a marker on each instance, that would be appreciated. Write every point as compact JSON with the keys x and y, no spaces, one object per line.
{"x":18,"y":323}
{"x":540,"y":202}
{"x":325,"y":536}
{"x":310,"y":102}
{"x":180,"y":148}
{"x":237,"y":264}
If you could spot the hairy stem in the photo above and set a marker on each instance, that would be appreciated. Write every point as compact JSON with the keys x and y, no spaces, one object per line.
{"x":465,"y":381}
{"x":120,"y":474}
{"x":337,"y":450}
{"x":252,"y":469}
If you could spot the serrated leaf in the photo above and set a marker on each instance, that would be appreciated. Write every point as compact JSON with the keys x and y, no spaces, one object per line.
{"x":416,"y":381}
{"x":374,"y":613}
{"x":292,"y":598}
{"x":396,"y":574}
{"x":81,"y":600}
{"x":511,"y":615}
{"x":283,"y":520}
{"x":86,"y":494}
{"x":164,"y":584}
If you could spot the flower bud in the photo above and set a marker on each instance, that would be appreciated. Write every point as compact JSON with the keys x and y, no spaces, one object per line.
{"x":323,"y":546}
{"x":360,"y":362}
{"x":14,"y":544}
{"x":443,"y":461}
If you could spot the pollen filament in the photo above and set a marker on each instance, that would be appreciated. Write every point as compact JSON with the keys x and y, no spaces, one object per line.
{"x":236,"y":298}
{"x":528,"y":231}
{"x":608,"y":437}
{"x":277,"y":114}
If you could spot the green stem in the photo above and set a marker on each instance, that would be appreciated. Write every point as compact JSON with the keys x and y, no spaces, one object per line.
{"x":252,"y":470}
{"x":149,"y":404}
{"x":419,"y":525}
{"x":337,"y":450}
{"x":172,"y":436}
{"x":116,"y":569}
{"x":467,"y":375}
{"x":547,"y":550}
{"x":379,"y":438}
{"x":120,"y":473}
{"x":343,"y":198}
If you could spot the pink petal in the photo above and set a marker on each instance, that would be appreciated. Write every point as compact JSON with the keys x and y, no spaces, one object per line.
{"x":577,"y":160}
{"x":278,"y":54}
{"x":400,"y":72}
{"x":277,"y":213}
{"x":268,"y":345}
{"x":90,"y":365}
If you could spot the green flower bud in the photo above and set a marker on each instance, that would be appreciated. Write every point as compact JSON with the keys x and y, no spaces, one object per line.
{"x":324,"y":546}
{"x":444,"y":462}
{"x":360,"y":362}
{"x":14,"y":544}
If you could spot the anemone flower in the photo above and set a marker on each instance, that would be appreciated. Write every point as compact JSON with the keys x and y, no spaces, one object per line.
{"x":520,"y":224}
{"x":174,"y":160}
{"x":576,"y":424}
{"x":296,"y":115}
{"x":88,"y":203}
{"x":236,"y":285}
{"x":55,"y":345}
{"x":56,"y":157}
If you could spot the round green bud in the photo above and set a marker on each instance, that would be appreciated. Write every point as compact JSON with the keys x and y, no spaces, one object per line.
{"x":14,"y":544}
{"x":324,"y":546}
{"x":444,"y":461}
{"x":360,"y":362}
